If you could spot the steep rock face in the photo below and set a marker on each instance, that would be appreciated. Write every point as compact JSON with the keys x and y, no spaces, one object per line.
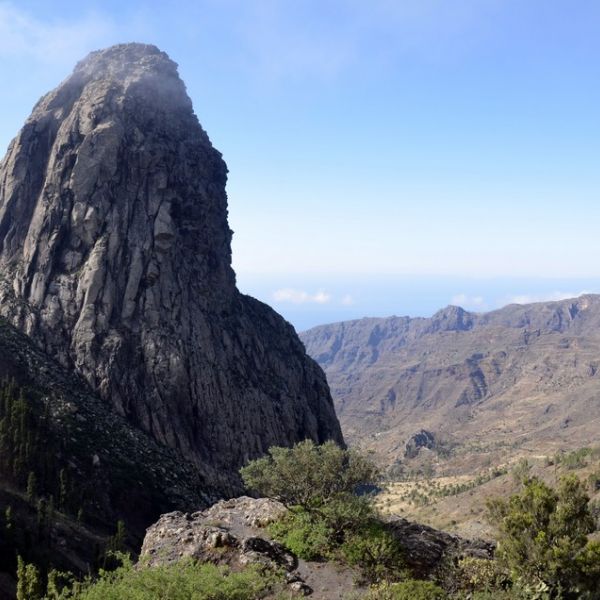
{"x":115,"y":258}
{"x":87,"y":462}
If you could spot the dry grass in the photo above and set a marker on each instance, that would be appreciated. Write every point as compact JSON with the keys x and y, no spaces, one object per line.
{"x":457,"y":503}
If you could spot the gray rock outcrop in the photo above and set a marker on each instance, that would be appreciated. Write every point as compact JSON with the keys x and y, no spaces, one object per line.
{"x":233,"y":533}
{"x":228,"y":533}
{"x":115,"y":258}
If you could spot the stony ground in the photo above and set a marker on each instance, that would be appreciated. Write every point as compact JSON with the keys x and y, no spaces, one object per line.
{"x":233,"y":533}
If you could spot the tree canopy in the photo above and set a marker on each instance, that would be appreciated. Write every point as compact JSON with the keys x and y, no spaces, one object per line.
{"x":309,"y":475}
{"x":544,"y":537}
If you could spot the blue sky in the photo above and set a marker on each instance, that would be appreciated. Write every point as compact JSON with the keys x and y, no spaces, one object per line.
{"x":385,"y":156}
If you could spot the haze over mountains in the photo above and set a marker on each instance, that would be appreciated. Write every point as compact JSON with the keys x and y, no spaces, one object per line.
{"x":522,"y":376}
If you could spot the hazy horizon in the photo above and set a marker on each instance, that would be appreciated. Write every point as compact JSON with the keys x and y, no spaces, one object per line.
{"x":319,"y":301}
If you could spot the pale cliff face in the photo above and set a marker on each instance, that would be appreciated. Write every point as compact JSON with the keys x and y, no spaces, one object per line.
{"x":115,"y":256}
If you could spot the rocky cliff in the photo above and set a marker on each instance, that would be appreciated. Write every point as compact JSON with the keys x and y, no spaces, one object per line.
{"x":521,"y":377}
{"x":115,"y":259}
{"x":70,"y":468}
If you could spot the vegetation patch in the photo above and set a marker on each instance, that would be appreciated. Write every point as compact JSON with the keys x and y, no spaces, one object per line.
{"x":328,"y":520}
{"x":185,"y":580}
{"x":543,"y":539}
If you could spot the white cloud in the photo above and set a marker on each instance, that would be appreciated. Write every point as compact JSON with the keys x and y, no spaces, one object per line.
{"x":301,"y":297}
{"x":347,"y":300}
{"x":23,"y":35}
{"x":545,"y":297}
{"x":466,"y":301}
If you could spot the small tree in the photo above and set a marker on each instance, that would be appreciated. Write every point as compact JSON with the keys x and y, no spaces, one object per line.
{"x":328,"y":517}
{"x":309,"y":475}
{"x":63,"y":490}
{"x":29,"y":585}
{"x":543,"y":536}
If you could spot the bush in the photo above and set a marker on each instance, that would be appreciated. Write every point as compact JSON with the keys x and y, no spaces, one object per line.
{"x":185,"y":580}
{"x":588,"y":566}
{"x":327,"y":518}
{"x":576,"y":459}
{"x":412,"y":589}
{"x":479,"y":574}
{"x":306,"y":536}
{"x":376,"y":551}
{"x":594,"y":482}
{"x":510,"y":594}
{"x":543,"y":537}
{"x":309,"y":475}
{"x":521,"y":470}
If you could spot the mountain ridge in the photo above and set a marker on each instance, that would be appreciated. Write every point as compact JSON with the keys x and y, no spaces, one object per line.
{"x":462,"y":374}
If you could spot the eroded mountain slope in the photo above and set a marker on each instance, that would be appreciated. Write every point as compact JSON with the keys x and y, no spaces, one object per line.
{"x":524,"y":375}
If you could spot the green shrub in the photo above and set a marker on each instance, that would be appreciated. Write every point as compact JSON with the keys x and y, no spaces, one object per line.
{"x":327,"y":519}
{"x":412,"y":589}
{"x":543,"y":537}
{"x":595,"y":512}
{"x":577,"y":459}
{"x":306,"y":536}
{"x":478,"y":574}
{"x":345,"y":513}
{"x":375,"y":551}
{"x":510,"y":594}
{"x":588,"y":567}
{"x":29,"y":585}
{"x":309,"y":475}
{"x":594,"y":481}
{"x":185,"y":580}
{"x":521,"y":470}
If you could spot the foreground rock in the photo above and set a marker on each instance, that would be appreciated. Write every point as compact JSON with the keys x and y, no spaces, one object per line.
{"x":232,"y":533}
{"x":228,"y":533}
{"x":115,"y":258}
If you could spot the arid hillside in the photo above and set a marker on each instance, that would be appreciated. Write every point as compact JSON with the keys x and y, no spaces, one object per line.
{"x":475,"y":389}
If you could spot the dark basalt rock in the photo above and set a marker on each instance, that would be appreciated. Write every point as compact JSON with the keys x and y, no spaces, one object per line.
{"x":426,"y":549}
{"x":109,"y":470}
{"x":115,"y":258}
{"x":421,"y":439}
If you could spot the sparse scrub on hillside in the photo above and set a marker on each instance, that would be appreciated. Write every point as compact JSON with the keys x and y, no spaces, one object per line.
{"x":520,"y":472}
{"x":593,"y":481}
{"x":185,"y":580}
{"x":577,"y":459}
{"x":426,"y":492}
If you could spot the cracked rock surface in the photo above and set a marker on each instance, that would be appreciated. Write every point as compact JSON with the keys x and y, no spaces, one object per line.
{"x":115,"y":258}
{"x":232,"y":532}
